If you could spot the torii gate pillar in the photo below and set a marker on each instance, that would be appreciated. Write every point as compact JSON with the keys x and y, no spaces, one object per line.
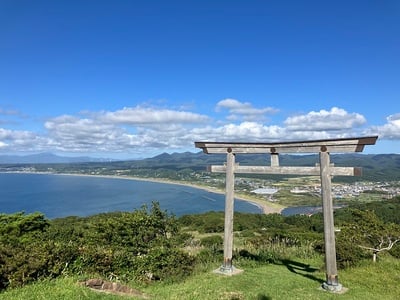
{"x":227,"y":267}
{"x":332,"y":282}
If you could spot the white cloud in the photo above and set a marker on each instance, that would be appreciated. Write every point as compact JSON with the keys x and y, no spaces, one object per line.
{"x":6,"y":134}
{"x":337,"y":119}
{"x":142,"y":116}
{"x":69,"y":133}
{"x":390,"y":130}
{"x":17,"y":140}
{"x":243,"y":110}
{"x":255,"y":132}
{"x":144,"y":130}
{"x":251,"y":131}
{"x":104,"y":131}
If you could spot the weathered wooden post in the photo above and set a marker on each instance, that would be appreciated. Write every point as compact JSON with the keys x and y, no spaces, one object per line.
{"x":332,"y":283}
{"x":227,"y":267}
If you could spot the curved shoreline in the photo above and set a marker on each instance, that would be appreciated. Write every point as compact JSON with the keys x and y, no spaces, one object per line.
{"x":266,"y":207}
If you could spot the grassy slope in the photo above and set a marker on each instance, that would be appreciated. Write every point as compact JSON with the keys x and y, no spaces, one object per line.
{"x":291,"y":281}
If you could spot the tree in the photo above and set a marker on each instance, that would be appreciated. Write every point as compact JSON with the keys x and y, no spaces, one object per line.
{"x":24,"y":256}
{"x":368,"y":232}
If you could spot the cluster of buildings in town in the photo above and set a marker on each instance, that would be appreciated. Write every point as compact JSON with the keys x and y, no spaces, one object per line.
{"x":268,"y":188}
{"x":339,"y":190}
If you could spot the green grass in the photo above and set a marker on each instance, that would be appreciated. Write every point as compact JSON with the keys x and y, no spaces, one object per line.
{"x":299,"y":279}
{"x":59,"y":289}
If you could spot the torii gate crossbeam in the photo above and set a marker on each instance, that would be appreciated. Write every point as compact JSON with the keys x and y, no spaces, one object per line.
{"x":325,"y":170}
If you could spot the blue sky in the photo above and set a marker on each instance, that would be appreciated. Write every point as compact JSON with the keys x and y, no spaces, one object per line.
{"x":129,"y":79}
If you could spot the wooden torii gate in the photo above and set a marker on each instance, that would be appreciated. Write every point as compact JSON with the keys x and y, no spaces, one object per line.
{"x":325,"y":169}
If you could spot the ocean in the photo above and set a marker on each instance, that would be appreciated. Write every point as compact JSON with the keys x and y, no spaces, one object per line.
{"x":66,"y":195}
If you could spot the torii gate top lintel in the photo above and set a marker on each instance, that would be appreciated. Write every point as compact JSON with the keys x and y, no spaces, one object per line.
{"x":341,"y":145}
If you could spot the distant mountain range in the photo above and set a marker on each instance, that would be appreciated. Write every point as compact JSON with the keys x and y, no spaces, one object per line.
{"x":376,"y":167}
{"x":46,"y":158}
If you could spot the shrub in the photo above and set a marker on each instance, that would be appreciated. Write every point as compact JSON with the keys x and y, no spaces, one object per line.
{"x":24,"y":255}
{"x":164,"y":264}
{"x":212,"y":241}
{"x":348,"y":253}
{"x":127,"y":245}
{"x":395,"y":251}
{"x":209,"y":255}
{"x":138,"y":245}
{"x":365,"y":235}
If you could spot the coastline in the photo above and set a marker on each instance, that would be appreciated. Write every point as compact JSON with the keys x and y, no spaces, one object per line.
{"x":266,"y":207}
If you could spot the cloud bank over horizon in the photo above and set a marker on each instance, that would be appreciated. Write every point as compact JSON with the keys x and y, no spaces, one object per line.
{"x":143,"y":130}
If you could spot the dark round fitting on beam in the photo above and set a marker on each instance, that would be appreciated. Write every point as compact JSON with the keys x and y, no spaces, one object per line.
{"x":323,"y":149}
{"x":273,"y":150}
{"x":229,"y":150}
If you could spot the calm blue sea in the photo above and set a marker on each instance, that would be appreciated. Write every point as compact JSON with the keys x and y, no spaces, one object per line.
{"x":63,"y":195}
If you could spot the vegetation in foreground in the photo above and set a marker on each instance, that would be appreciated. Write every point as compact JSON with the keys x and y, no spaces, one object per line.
{"x":170,"y":258}
{"x":258,"y":281}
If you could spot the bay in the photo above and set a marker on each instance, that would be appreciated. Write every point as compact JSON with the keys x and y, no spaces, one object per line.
{"x":67,"y":195}
{"x":306,"y":210}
